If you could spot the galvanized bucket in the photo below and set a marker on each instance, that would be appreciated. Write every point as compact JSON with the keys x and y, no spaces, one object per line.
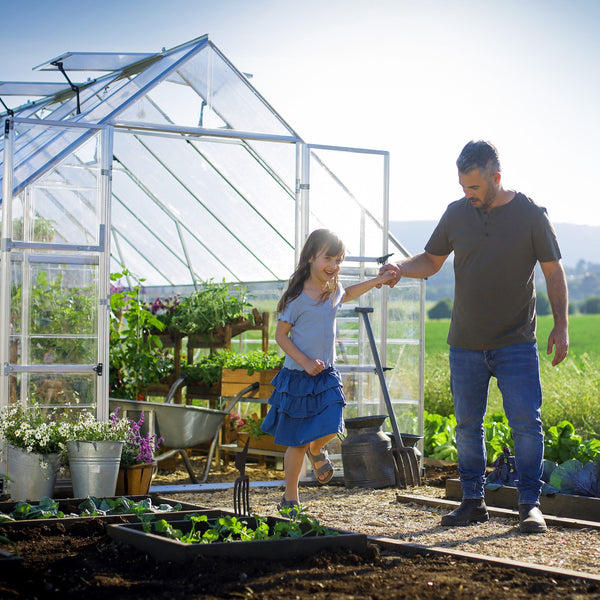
{"x":32,"y":475}
{"x":94,"y":467}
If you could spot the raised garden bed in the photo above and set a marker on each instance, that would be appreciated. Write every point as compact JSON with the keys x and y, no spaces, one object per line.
{"x":167,"y":509}
{"x":165,"y":549}
{"x":560,"y":505}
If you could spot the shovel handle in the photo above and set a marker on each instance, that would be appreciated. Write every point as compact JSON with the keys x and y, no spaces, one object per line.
{"x":364,"y":311}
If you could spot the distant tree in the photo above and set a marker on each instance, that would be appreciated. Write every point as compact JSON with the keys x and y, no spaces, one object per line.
{"x":542,"y":304}
{"x":590,"y":306}
{"x":442,"y":310}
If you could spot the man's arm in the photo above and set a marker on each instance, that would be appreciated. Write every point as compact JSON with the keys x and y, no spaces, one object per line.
{"x":419,"y":266}
{"x":558,"y":294}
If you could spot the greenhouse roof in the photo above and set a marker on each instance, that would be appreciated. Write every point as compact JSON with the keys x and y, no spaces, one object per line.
{"x":207,"y":178}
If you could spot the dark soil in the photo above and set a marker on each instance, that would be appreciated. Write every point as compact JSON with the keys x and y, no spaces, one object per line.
{"x":78,"y":560}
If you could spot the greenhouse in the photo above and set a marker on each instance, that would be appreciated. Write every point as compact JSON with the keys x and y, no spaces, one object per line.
{"x":171,"y":169}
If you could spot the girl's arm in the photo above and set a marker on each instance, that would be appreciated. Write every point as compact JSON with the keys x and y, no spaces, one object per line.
{"x":311,"y":366}
{"x":354,"y":291}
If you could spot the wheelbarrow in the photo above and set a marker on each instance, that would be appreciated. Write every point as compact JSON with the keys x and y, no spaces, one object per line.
{"x":181,"y":426}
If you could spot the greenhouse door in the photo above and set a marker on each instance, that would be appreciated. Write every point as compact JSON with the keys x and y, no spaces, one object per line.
{"x":54,"y":279}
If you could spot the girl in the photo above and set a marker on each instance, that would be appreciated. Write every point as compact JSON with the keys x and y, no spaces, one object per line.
{"x":308,"y":400}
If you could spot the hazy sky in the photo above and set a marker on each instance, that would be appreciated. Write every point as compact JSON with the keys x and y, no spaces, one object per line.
{"x":418,"y":78}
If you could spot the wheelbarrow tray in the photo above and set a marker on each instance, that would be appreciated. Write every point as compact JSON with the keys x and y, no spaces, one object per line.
{"x":180,"y":425}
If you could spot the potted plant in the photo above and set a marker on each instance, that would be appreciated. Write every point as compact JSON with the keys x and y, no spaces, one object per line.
{"x":240,"y":370}
{"x":209,"y":310}
{"x":94,"y":453}
{"x":137,"y":358}
{"x":36,"y":442}
{"x":137,"y":460}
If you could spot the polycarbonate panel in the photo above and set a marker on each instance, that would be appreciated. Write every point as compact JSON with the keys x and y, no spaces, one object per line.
{"x":64,"y":202}
{"x":142,"y":266}
{"x":404,"y":310}
{"x":228,"y":94}
{"x":355,"y":213}
{"x":31,"y":88}
{"x":94,"y":61}
{"x":55,"y":390}
{"x":229,"y":204}
{"x":54,"y":317}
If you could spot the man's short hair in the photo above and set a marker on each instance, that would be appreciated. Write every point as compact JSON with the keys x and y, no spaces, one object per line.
{"x":479,"y":155}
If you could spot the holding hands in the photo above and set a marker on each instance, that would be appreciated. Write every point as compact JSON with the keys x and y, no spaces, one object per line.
{"x":390,"y":273}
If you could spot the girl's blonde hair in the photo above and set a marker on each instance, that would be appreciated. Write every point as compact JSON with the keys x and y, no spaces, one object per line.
{"x":317,"y":241}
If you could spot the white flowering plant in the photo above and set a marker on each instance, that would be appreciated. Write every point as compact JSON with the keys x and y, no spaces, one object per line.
{"x":45,"y":431}
{"x":34,"y":429}
{"x":86,"y":428}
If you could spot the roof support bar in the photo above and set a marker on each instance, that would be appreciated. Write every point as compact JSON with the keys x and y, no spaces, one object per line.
{"x":9,"y":111}
{"x":58,"y":64}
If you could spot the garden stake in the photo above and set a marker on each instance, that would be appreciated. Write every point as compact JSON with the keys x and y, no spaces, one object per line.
{"x":407,"y":463}
{"x":241,"y":486}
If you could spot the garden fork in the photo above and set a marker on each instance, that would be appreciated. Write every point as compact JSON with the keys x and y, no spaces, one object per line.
{"x":241,"y":486}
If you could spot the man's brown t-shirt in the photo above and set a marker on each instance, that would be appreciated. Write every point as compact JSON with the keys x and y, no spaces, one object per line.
{"x":495,"y":255}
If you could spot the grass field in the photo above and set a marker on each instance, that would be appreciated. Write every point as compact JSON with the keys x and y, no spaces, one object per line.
{"x":584,"y":334}
{"x":571,"y":390}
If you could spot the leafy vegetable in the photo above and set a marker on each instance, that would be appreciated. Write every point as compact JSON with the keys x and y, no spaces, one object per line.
{"x":232,"y":529}
{"x":91,"y":507}
{"x":209,"y":368}
{"x":573,"y":477}
{"x":439,"y":438}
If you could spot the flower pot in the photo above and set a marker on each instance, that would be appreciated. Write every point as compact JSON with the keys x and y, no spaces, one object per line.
{"x":33,"y":475}
{"x":94,"y":467}
{"x":134,"y":480}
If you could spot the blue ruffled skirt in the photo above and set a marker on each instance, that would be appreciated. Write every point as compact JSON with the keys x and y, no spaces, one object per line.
{"x":304,"y":407}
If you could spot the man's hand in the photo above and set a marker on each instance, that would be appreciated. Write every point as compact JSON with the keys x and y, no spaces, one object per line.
{"x":392,"y":272}
{"x":559,"y":340}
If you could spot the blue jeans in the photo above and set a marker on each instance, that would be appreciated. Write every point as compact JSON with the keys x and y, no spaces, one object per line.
{"x":516,"y":369}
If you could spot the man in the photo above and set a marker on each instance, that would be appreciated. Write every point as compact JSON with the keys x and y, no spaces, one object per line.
{"x":497,"y":236}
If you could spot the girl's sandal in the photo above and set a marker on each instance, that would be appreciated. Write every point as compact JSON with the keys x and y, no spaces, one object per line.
{"x":291,"y":504}
{"x":327,"y":468}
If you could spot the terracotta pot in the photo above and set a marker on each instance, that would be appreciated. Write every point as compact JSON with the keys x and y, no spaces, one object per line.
{"x":134,"y":480}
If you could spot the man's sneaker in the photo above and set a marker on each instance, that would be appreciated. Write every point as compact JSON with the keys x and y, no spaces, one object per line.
{"x":471,"y":510}
{"x":532,"y":519}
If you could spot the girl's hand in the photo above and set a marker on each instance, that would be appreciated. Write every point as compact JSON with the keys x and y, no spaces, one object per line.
{"x":385,"y":278}
{"x":314,"y":367}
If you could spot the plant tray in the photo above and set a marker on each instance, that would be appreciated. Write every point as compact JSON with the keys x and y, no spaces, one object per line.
{"x":71,"y":505}
{"x":165,"y":549}
{"x":559,"y":505}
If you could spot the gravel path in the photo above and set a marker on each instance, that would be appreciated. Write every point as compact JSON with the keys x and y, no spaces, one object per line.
{"x":378,"y":513}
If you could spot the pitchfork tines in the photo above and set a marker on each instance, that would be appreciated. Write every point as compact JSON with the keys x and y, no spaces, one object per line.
{"x":241,"y":486}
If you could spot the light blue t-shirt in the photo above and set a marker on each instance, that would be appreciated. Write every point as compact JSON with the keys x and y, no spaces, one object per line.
{"x":313,"y":327}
